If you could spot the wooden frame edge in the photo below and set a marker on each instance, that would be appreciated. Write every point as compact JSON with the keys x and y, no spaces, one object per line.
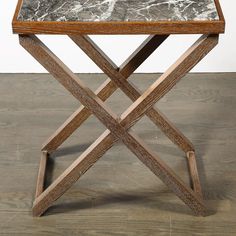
{"x":161,"y":27}
{"x":219,"y":10}
{"x":18,"y":7}
{"x":220,"y":13}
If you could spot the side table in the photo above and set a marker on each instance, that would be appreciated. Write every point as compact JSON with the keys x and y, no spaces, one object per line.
{"x":157,"y":18}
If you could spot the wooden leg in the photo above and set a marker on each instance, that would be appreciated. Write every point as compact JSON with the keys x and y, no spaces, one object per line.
{"x":194,"y":173}
{"x":165,"y":173}
{"x":120,"y":79}
{"x":108,"y":87}
{"x":95,"y":151}
{"x":118,"y":128}
{"x":103,"y":92}
{"x":41,"y":174}
{"x":169,"y":79}
{"x":73,"y":173}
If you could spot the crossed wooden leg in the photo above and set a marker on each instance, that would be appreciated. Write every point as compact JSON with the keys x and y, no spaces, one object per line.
{"x":109,"y":87}
{"x":119,"y":127}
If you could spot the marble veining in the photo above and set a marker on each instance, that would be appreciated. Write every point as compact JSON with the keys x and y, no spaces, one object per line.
{"x":117,"y":10}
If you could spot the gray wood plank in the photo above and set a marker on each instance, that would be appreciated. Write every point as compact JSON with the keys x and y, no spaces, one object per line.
{"x":119,"y":195}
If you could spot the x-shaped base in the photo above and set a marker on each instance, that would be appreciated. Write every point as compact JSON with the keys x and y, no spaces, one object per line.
{"x":118,"y":127}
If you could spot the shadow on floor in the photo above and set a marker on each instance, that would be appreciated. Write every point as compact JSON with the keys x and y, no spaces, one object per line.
{"x":135,"y":198}
{"x":145,"y":198}
{"x":64,"y":151}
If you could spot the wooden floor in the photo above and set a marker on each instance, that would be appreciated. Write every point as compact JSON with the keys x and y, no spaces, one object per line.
{"x":119,"y":195}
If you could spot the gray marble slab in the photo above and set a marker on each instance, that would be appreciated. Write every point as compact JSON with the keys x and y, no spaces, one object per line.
{"x":117,"y":10}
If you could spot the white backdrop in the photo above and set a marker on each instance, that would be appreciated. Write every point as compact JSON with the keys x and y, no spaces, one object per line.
{"x":14,"y":59}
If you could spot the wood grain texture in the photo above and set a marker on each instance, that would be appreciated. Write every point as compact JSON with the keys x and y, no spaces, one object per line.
{"x":73,"y":173}
{"x":166,"y":174}
{"x":119,"y":196}
{"x":220,"y":12}
{"x":95,"y":151}
{"x":169,"y":79}
{"x":103,"y":92}
{"x":70,"y":81}
{"x":35,"y":47}
{"x":41,"y":174}
{"x":194,"y":173}
{"x":161,"y":27}
{"x":109,"y":68}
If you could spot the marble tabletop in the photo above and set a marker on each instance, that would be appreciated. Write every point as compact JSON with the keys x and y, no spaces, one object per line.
{"x":118,"y":10}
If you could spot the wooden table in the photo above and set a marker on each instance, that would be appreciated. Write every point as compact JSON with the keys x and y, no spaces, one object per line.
{"x":159,"y":19}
